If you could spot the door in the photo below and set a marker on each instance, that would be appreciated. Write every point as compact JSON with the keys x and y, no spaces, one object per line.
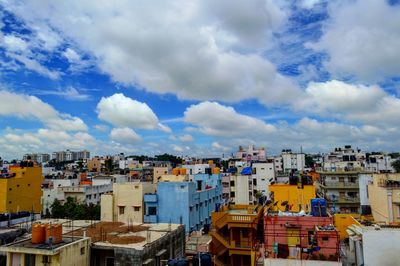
{"x":293,"y":236}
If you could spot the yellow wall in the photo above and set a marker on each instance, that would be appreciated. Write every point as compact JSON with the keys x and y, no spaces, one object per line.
{"x":22,"y":192}
{"x":293,"y":195}
{"x":343,"y":221}
{"x":378,"y":200}
{"x":69,"y":255}
{"x":128,"y":195}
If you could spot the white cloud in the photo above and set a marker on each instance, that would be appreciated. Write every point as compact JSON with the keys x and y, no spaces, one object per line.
{"x":102,"y":128}
{"x":71,"y":55}
{"x":362,"y":38}
{"x":124,"y":135}
{"x":164,"y":128}
{"x":122,"y":111}
{"x":31,"y":107}
{"x":69,"y":93}
{"x":175,"y":46}
{"x":352,"y":102}
{"x":177,"y":148}
{"x":186,"y":138}
{"x":214,"y":119}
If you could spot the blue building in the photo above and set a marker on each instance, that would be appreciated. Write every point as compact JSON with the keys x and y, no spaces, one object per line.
{"x":187,"y":202}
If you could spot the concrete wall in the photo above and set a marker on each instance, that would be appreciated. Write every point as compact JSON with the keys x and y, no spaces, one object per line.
{"x":379,"y":202}
{"x":381,"y":247}
{"x":364,"y":180}
{"x":284,"y":262}
{"x":106,"y":208}
{"x":242,"y":189}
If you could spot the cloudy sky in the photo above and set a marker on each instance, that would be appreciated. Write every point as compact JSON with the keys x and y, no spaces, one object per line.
{"x":198,"y":77}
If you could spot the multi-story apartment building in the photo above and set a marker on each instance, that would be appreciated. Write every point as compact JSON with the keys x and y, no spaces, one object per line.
{"x":384,"y":197}
{"x":68,"y":155}
{"x":20,"y":189}
{"x":243,"y":189}
{"x":126,"y":202}
{"x":251,"y":153}
{"x":184,"y":202}
{"x":264,"y":174}
{"x":292,"y":161}
{"x":379,"y":163}
{"x":344,"y":159}
{"x":345,"y":191}
{"x":37,"y":157}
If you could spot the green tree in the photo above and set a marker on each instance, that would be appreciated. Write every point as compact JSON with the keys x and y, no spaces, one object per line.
{"x":57,"y":209}
{"x":109,"y":165}
{"x":396,"y":165}
{"x":309,"y":161}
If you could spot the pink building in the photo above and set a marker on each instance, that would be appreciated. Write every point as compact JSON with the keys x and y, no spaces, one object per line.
{"x":300,"y":237}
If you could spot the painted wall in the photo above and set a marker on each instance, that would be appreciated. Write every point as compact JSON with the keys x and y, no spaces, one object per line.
{"x":22,"y":192}
{"x":294,"y":196}
{"x":263,"y":173}
{"x":381,"y":247}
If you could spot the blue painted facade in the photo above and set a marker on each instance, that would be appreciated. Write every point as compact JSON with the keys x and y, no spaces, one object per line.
{"x":189,"y":202}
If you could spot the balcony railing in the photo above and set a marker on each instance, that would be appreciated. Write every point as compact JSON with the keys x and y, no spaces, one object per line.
{"x":343,"y":185}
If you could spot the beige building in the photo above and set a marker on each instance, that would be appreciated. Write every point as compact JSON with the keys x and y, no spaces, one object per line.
{"x":384,"y":197}
{"x":242,"y":189}
{"x":125,"y":203}
{"x":158,"y":172}
{"x":70,"y":252}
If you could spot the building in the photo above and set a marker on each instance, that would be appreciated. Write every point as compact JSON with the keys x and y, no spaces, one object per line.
{"x":70,"y":251}
{"x":292,"y":235}
{"x":243,"y":189}
{"x":292,"y":161}
{"x":342,"y":190}
{"x":235,"y":234}
{"x":68,"y":155}
{"x":20,"y":189}
{"x":379,"y":162}
{"x":292,"y":197}
{"x":125,"y":204}
{"x":251,"y":153}
{"x":184,"y":202}
{"x":264,"y":174}
{"x":344,"y":159}
{"x":86,"y":193}
{"x":135,"y":244}
{"x":158,"y":172}
{"x":384,"y":197}
{"x":37,"y":157}
{"x":374,"y":245}
{"x":51,"y":191}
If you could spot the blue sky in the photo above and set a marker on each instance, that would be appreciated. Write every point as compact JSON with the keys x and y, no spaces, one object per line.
{"x":198,"y":77}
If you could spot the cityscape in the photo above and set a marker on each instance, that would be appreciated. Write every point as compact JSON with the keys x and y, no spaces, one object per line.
{"x":200,"y":133}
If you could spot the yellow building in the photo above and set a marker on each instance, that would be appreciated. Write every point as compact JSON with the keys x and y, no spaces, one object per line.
{"x":234,"y":234}
{"x":125,"y":203}
{"x":21,"y":190}
{"x":297,"y":198}
{"x":71,"y":252}
{"x":342,"y":221}
{"x":384,"y":198}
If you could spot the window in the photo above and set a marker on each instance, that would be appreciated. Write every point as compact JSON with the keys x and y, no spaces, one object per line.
{"x":46,"y":259}
{"x":136,"y":208}
{"x":136,"y":187}
{"x":10,"y":189}
{"x":17,"y":185}
{"x":121,"y":210}
{"x":325,"y":238}
{"x":30,"y":259}
{"x":153,"y":210}
{"x":232,"y":194}
{"x":82,"y":250}
{"x":232,"y":183}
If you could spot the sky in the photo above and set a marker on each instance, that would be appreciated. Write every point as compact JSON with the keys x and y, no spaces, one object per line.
{"x":198,"y":77}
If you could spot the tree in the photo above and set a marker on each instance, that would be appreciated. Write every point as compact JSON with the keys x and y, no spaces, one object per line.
{"x":57,"y":209}
{"x":109,"y":165}
{"x":309,"y":161}
{"x":396,"y":165}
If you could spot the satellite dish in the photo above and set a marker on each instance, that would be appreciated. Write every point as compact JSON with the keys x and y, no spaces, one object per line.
{"x":276,"y":203}
{"x":284,"y":203}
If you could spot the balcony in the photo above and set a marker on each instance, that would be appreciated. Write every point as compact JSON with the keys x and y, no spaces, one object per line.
{"x":340,"y":185}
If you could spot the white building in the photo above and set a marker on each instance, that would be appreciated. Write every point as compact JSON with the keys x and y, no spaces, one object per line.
{"x":293,"y":161}
{"x":242,"y":189}
{"x":374,"y":245}
{"x":379,"y":163}
{"x":344,"y":159}
{"x":263,"y":173}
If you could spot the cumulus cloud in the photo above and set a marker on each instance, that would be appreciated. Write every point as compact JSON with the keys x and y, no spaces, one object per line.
{"x":214,"y":119}
{"x":352,"y":102}
{"x":368,"y":48}
{"x":122,"y":111}
{"x":175,"y":46}
{"x":30,"y":107}
{"x":124,"y":135}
